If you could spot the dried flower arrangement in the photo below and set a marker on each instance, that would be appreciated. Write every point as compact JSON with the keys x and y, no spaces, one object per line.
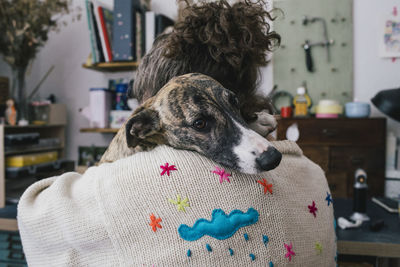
{"x":24,"y":28}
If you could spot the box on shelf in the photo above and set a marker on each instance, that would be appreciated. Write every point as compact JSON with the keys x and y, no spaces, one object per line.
{"x":45,"y":113}
{"x":57,"y":114}
{"x":22,"y":139}
{"x":118,"y":117}
{"x":31,"y":159}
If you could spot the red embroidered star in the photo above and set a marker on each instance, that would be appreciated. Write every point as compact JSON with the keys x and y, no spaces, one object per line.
{"x":290,"y":252}
{"x":222,"y":174}
{"x":267,"y":186}
{"x":155,"y":222}
{"x":166,"y":168}
{"x":313,"y":209}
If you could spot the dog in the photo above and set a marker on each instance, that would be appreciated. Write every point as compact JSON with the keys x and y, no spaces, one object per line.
{"x":226,"y":42}
{"x":195,"y":112}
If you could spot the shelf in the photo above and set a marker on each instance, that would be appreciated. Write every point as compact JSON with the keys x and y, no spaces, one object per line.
{"x":99,"y":130}
{"x":112,"y":66}
{"x":31,"y":150}
{"x":33,"y":126}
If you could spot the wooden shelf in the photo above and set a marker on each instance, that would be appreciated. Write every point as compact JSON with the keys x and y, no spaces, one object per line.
{"x":112,"y":66}
{"x":31,"y":150}
{"x":99,"y":130}
{"x":33,"y":126}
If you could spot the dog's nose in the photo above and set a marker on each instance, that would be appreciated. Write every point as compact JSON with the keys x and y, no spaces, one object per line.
{"x":270,"y":159}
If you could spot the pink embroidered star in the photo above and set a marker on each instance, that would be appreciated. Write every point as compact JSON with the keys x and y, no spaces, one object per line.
{"x":222,"y":174}
{"x":166,"y":168}
{"x":313,"y":209}
{"x":290,"y":252}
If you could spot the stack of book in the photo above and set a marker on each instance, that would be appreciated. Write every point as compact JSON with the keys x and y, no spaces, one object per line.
{"x":122,"y":30}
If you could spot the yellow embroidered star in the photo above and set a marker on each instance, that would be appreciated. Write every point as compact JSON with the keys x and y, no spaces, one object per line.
{"x":180,"y":204}
{"x":318,"y":248}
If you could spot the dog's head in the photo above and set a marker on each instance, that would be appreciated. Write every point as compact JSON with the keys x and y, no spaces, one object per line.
{"x":195,"y":112}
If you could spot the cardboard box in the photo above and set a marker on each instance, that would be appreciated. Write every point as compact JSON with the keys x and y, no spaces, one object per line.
{"x":57,"y":114}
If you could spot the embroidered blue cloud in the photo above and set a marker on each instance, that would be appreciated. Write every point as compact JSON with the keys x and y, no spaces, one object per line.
{"x":221,"y":226}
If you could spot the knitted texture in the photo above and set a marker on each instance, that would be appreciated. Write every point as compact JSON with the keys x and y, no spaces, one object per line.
{"x":126,"y":214}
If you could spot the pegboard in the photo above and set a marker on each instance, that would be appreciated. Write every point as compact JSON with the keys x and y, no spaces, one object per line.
{"x":330,"y":80}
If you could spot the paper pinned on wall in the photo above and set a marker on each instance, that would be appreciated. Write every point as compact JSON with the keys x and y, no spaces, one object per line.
{"x":389,"y":37}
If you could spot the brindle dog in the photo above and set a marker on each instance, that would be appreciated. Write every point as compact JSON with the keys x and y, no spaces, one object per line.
{"x":195,"y":112}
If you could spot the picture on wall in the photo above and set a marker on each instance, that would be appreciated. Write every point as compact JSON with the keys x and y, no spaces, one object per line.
{"x":389,"y":39}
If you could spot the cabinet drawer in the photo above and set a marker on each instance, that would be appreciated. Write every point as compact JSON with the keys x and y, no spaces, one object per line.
{"x":318,"y":154}
{"x":338,"y":184}
{"x":351,"y":158}
{"x":337,"y":131}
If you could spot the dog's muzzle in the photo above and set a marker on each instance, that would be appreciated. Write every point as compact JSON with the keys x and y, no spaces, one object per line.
{"x":270,"y":159}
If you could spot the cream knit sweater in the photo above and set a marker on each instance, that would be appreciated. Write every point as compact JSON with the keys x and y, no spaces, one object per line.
{"x":132,"y":213}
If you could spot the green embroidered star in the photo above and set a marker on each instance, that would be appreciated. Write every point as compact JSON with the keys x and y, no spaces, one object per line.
{"x":181,"y":204}
{"x":318,"y":248}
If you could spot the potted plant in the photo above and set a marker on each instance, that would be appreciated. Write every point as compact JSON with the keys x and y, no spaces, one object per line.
{"x":24,"y":28}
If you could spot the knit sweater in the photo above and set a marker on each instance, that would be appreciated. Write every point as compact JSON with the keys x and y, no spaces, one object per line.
{"x":169,"y":207}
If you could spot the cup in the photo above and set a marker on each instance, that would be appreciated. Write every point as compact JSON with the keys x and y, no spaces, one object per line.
{"x":286,"y":112}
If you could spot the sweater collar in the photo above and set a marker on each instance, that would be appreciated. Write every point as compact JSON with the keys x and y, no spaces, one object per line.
{"x":287,"y":147}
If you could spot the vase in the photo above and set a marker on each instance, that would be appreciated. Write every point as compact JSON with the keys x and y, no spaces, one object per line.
{"x":18,"y":92}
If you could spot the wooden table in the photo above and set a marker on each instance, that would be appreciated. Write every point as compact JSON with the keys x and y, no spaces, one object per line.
{"x":363,"y":241}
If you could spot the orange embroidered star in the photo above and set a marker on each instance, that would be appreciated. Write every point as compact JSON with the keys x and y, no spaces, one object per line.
{"x":155,"y":222}
{"x":267,"y":186}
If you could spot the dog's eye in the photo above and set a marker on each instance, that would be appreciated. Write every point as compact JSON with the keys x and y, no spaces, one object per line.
{"x":199,"y":124}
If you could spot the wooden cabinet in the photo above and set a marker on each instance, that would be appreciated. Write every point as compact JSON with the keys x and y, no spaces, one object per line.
{"x":12,"y":188}
{"x":340,"y":146}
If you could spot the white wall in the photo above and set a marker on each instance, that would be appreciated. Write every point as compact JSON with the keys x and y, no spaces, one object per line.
{"x":68,"y":49}
{"x":372,"y":73}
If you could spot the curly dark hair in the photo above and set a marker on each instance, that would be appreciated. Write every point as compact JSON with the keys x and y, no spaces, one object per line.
{"x":226,"y":42}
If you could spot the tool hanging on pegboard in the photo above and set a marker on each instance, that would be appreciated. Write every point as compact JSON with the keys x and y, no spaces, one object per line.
{"x":308,"y":45}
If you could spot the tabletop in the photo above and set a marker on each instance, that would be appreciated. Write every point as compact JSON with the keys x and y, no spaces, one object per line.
{"x":363,"y":241}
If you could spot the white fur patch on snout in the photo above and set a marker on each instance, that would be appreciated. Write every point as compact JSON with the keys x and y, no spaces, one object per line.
{"x":251,"y":146}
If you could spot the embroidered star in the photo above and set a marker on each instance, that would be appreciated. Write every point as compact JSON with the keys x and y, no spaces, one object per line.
{"x":155,"y":222}
{"x":181,"y":204}
{"x":289,"y":250}
{"x":267,"y":186}
{"x":222,"y":175}
{"x":318,"y":248}
{"x":328,"y":198}
{"x":166,"y":168}
{"x":313,"y":209}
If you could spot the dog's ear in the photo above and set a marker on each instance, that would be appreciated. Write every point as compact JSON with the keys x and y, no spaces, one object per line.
{"x":141,"y":125}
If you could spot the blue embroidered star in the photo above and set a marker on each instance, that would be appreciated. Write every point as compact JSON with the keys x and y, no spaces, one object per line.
{"x":328,"y":198}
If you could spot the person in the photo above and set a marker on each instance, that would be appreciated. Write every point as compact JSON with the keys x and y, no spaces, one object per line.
{"x":169,"y":207}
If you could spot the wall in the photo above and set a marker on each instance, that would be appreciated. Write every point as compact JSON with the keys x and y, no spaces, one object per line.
{"x":68,"y":49}
{"x":372,"y":73}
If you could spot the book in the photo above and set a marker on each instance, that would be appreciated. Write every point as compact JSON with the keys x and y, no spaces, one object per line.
{"x":102,"y":31}
{"x":123,"y":40}
{"x":150,"y":19}
{"x":106,"y":20}
{"x":162,"y":22}
{"x":92,"y":35}
{"x":98,"y":47}
{"x":138,"y":35}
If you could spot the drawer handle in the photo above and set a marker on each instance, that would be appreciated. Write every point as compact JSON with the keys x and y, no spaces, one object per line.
{"x":329,"y":132}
